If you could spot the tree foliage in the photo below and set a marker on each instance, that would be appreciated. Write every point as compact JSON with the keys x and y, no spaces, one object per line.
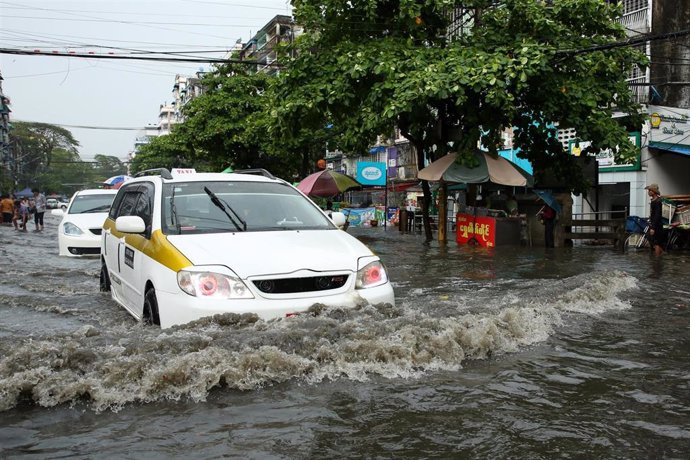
{"x":106,"y":166}
{"x":66,"y":174}
{"x":169,"y":151}
{"x":228,"y":125}
{"x":367,"y":66}
{"x":40,"y":140}
{"x":46,"y":157}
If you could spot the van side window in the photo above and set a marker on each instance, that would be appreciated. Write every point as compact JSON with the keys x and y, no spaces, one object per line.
{"x":128,"y":203}
{"x":144,"y":205}
{"x":116,"y":204}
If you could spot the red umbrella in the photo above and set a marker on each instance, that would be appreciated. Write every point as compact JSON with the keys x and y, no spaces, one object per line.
{"x":327,"y":183}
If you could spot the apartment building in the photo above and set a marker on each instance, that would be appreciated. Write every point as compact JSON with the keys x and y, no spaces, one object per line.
{"x":185,"y":88}
{"x":5,"y":149}
{"x":262,"y":47}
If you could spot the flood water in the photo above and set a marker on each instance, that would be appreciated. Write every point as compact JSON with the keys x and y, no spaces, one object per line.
{"x":510,"y":353}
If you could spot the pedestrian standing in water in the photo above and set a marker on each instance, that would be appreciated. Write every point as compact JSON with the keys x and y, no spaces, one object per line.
{"x":22,"y":214}
{"x":7,"y":209}
{"x":16,"y":214}
{"x":40,"y":209}
{"x":547,"y":215}
{"x":657,"y":235}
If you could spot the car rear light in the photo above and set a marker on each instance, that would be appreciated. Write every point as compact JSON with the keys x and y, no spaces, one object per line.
{"x":372,"y":274}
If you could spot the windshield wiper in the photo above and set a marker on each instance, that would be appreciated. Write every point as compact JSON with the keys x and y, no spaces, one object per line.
{"x":100,"y":208}
{"x":217,"y":201}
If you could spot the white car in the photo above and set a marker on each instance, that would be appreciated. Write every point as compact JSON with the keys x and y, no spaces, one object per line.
{"x":79,"y":232}
{"x":178,"y":247}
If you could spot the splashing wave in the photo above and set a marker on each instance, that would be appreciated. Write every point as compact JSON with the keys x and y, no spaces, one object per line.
{"x":111,"y":367}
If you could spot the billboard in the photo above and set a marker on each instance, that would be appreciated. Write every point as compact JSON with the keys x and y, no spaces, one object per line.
{"x":371,"y":173}
{"x":669,"y":128}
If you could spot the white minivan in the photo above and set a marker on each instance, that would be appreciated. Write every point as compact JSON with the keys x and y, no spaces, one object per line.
{"x":180,"y":246}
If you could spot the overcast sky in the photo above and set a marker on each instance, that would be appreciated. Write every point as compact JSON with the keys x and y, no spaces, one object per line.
{"x":112,"y":93}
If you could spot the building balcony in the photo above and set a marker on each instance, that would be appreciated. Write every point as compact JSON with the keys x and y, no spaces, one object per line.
{"x":636,"y":22}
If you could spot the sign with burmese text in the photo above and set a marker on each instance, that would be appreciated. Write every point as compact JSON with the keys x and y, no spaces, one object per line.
{"x":480,"y":229}
{"x":371,"y":173}
{"x":669,"y":125}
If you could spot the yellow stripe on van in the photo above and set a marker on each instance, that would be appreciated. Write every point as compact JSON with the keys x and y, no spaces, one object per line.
{"x":157,"y":248}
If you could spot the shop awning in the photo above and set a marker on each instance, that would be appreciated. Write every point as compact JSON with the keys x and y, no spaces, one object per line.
{"x":377,"y":149}
{"x":675,"y":148}
{"x":401,"y":186}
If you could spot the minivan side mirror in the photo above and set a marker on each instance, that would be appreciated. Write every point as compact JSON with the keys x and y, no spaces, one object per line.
{"x":130,"y":224}
{"x":338,"y":219}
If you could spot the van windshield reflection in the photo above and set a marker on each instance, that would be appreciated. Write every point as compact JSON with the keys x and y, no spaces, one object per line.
{"x":238,"y":206}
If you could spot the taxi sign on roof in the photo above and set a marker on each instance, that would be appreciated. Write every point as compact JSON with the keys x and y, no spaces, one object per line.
{"x":181,"y":171}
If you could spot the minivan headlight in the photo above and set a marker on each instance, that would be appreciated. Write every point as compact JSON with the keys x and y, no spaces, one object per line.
{"x":371,"y":275}
{"x":210,"y":284}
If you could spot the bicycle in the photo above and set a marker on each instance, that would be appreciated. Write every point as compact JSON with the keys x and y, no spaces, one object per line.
{"x":638,"y":240}
{"x":641,"y":240}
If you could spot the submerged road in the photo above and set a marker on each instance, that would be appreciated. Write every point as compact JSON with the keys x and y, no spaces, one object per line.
{"x":510,"y":353}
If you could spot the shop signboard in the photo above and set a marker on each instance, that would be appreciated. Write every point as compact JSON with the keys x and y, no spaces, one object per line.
{"x":605,"y":158}
{"x":391,"y":212}
{"x":669,"y":128}
{"x":481,"y":229}
{"x":371,"y":173}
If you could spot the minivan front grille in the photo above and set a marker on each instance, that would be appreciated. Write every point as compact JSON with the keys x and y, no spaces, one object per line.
{"x":310,"y":284}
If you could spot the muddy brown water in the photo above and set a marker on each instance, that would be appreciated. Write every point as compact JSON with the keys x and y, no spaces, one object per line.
{"x":510,"y":353}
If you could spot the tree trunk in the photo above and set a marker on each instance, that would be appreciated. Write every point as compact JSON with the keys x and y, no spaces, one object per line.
{"x":426,"y":200}
{"x":442,"y":211}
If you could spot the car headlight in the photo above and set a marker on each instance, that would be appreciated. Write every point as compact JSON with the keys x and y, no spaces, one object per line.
{"x":208,"y":284}
{"x":371,"y":275}
{"x":69,"y":228}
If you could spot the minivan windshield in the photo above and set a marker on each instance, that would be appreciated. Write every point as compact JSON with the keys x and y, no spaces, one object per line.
{"x":233,"y":206}
{"x":91,"y":203}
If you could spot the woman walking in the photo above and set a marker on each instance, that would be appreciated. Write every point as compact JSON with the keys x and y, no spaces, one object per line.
{"x":40,"y":209}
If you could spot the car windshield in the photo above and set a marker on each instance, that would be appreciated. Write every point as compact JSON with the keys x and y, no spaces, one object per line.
{"x":226,"y":206}
{"x":91,"y":203}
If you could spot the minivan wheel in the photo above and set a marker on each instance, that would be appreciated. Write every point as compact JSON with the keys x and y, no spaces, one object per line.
{"x":105,"y":278}
{"x":151,"y":308}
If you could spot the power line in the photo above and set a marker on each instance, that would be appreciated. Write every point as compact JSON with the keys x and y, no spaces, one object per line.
{"x":134,"y":57}
{"x":110,"y":128}
{"x":117,"y":21}
{"x":57,"y":38}
{"x":65,"y":11}
{"x":644,"y":38}
{"x":123,"y":22}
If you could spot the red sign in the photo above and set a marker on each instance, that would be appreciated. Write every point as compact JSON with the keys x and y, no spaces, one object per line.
{"x":479,"y":230}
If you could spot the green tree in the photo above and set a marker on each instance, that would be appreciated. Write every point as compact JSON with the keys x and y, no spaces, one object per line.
{"x":170,"y":151}
{"x":40,"y":140}
{"x":220,"y":124}
{"x":224,"y":126}
{"x":35,"y":146}
{"x":67,"y":174}
{"x":106,"y":166}
{"x":369,"y":66}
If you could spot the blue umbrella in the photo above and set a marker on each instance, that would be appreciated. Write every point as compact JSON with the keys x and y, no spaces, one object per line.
{"x":549,"y":199}
{"x":117,"y":181}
